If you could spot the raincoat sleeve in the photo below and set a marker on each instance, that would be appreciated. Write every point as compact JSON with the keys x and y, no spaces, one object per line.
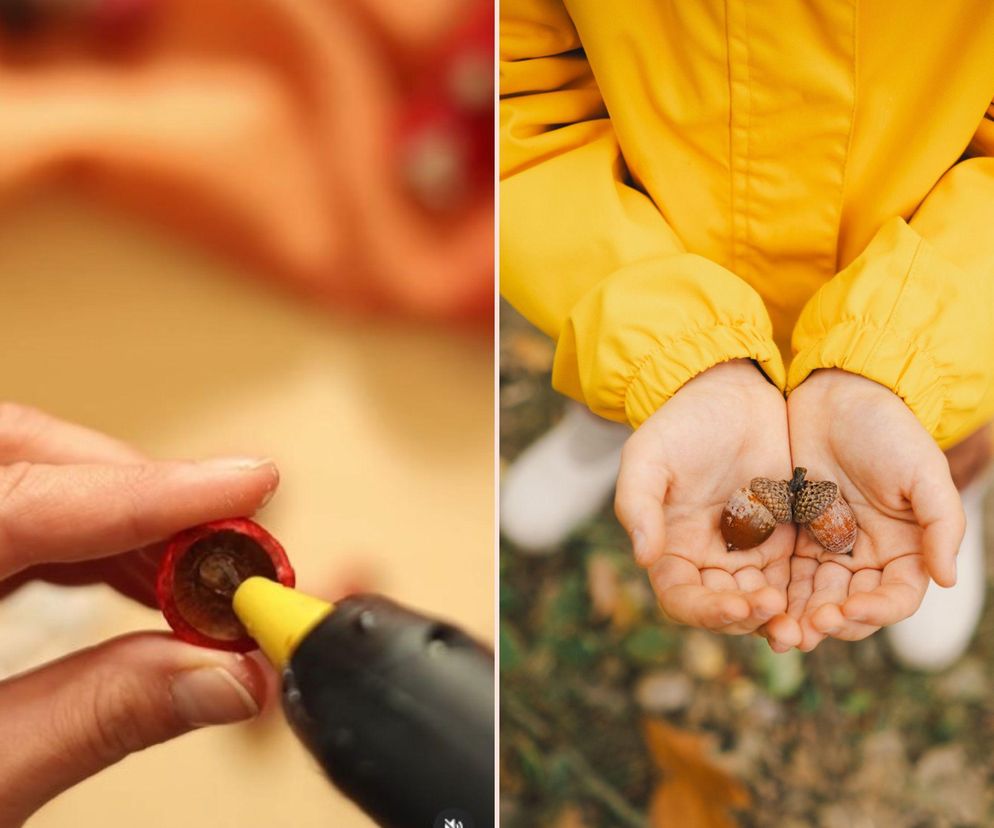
{"x":586,"y":256}
{"x":915,"y":311}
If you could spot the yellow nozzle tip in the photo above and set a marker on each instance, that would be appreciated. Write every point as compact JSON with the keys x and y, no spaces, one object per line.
{"x":277,"y":617}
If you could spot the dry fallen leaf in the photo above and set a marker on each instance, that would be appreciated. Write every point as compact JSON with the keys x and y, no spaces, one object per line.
{"x":570,"y":817}
{"x":602,"y":585}
{"x":693,"y":791}
{"x":530,"y":350}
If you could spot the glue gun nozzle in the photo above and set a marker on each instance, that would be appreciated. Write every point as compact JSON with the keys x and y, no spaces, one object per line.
{"x":277,"y":617}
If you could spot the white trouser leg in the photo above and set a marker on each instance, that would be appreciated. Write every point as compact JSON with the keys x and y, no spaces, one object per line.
{"x":561,"y":480}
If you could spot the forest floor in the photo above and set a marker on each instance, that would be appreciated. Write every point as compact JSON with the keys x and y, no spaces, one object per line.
{"x":612,"y":716}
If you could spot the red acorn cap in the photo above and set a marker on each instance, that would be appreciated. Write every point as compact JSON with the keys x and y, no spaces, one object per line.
{"x":201,"y":569}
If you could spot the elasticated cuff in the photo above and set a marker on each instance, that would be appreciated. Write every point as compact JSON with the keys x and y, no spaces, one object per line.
{"x":667,"y":368}
{"x":884,"y":356}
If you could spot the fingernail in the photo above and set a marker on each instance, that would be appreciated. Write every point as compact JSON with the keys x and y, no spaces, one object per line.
{"x":267,"y":497}
{"x":764,"y":614}
{"x":211,"y":695}
{"x":237,"y":463}
{"x":638,"y":544}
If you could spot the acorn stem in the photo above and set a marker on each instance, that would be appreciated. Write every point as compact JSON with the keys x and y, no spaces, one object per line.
{"x":797,"y":481}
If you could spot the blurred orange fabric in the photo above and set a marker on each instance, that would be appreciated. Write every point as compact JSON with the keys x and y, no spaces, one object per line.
{"x":273,"y":131}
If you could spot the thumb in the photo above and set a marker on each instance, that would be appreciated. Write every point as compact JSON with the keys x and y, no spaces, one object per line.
{"x":638,"y":503}
{"x":939,"y":512}
{"x":74,"y":717}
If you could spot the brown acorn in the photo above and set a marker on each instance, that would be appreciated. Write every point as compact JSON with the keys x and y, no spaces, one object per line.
{"x":820,"y":507}
{"x":751,"y":514}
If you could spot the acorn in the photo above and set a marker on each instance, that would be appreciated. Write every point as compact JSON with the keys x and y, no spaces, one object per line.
{"x":820,"y":507}
{"x":751,"y":514}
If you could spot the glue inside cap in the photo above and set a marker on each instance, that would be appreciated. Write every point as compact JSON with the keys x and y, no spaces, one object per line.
{"x":208,"y":575}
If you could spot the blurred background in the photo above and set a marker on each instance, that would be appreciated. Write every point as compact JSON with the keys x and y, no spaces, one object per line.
{"x":260,"y":228}
{"x":612,"y":716}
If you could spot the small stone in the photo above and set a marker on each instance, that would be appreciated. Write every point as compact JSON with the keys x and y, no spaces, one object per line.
{"x":703,"y":655}
{"x":741,"y":693}
{"x":844,"y":815}
{"x":967,"y":682}
{"x":664,"y":692}
{"x":883,"y":767}
{"x":766,"y":711}
{"x":940,"y":764}
{"x":946,"y":783}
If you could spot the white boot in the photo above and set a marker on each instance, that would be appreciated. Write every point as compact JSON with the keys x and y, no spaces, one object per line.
{"x":941,"y":630}
{"x":561,"y":480}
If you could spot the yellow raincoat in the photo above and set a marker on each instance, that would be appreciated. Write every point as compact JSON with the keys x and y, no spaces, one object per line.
{"x":690,"y":182}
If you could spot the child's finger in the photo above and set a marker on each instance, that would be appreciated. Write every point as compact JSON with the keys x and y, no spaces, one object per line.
{"x":766,"y":602}
{"x":719,"y":580}
{"x":30,"y":435}
{"x":830,"y":587}
{"x":864,"y":580}
{"x":700,"y":607}
{"x":782,"y":632}
{"x":900,"y":592}
{"x":828,"y":619}
{"x":777,"y":573}
{"x":638,"y":502}
{"x":685,"y":599}
{"x":750,"y":579}
{"x":73,"y":513}
{"x":802,"y":584}
{"x":830,"y":622}
{"x":939,"y":511}
{"x":810,"y":637}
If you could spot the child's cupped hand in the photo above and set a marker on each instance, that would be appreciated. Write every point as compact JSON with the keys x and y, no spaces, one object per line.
{"x":721,"y":429}
{"x":729,"y":425}
{"x":853,"y":431}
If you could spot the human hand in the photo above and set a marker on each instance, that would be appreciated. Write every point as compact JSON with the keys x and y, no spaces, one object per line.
{"x":862,"y":436}
{"x":720,"y":430}
{"x":74,"y":505}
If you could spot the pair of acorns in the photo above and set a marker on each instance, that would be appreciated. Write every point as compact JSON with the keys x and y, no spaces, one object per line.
{"x":752,"y":513}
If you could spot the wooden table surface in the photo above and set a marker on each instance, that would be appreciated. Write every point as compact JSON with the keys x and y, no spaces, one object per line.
{"x":383,"y":432}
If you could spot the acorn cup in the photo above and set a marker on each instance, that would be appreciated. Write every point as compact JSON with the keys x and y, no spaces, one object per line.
{"x":751,"y":514}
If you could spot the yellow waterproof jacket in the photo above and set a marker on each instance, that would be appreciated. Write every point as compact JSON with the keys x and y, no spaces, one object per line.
{"x":685,"y":183}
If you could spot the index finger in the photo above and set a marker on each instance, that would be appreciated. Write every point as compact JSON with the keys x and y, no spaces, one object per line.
{"x":80,"y":512}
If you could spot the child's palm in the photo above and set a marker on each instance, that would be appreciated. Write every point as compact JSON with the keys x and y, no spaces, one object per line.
{"x":897,"y":482}
{"x":723,"y":428}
